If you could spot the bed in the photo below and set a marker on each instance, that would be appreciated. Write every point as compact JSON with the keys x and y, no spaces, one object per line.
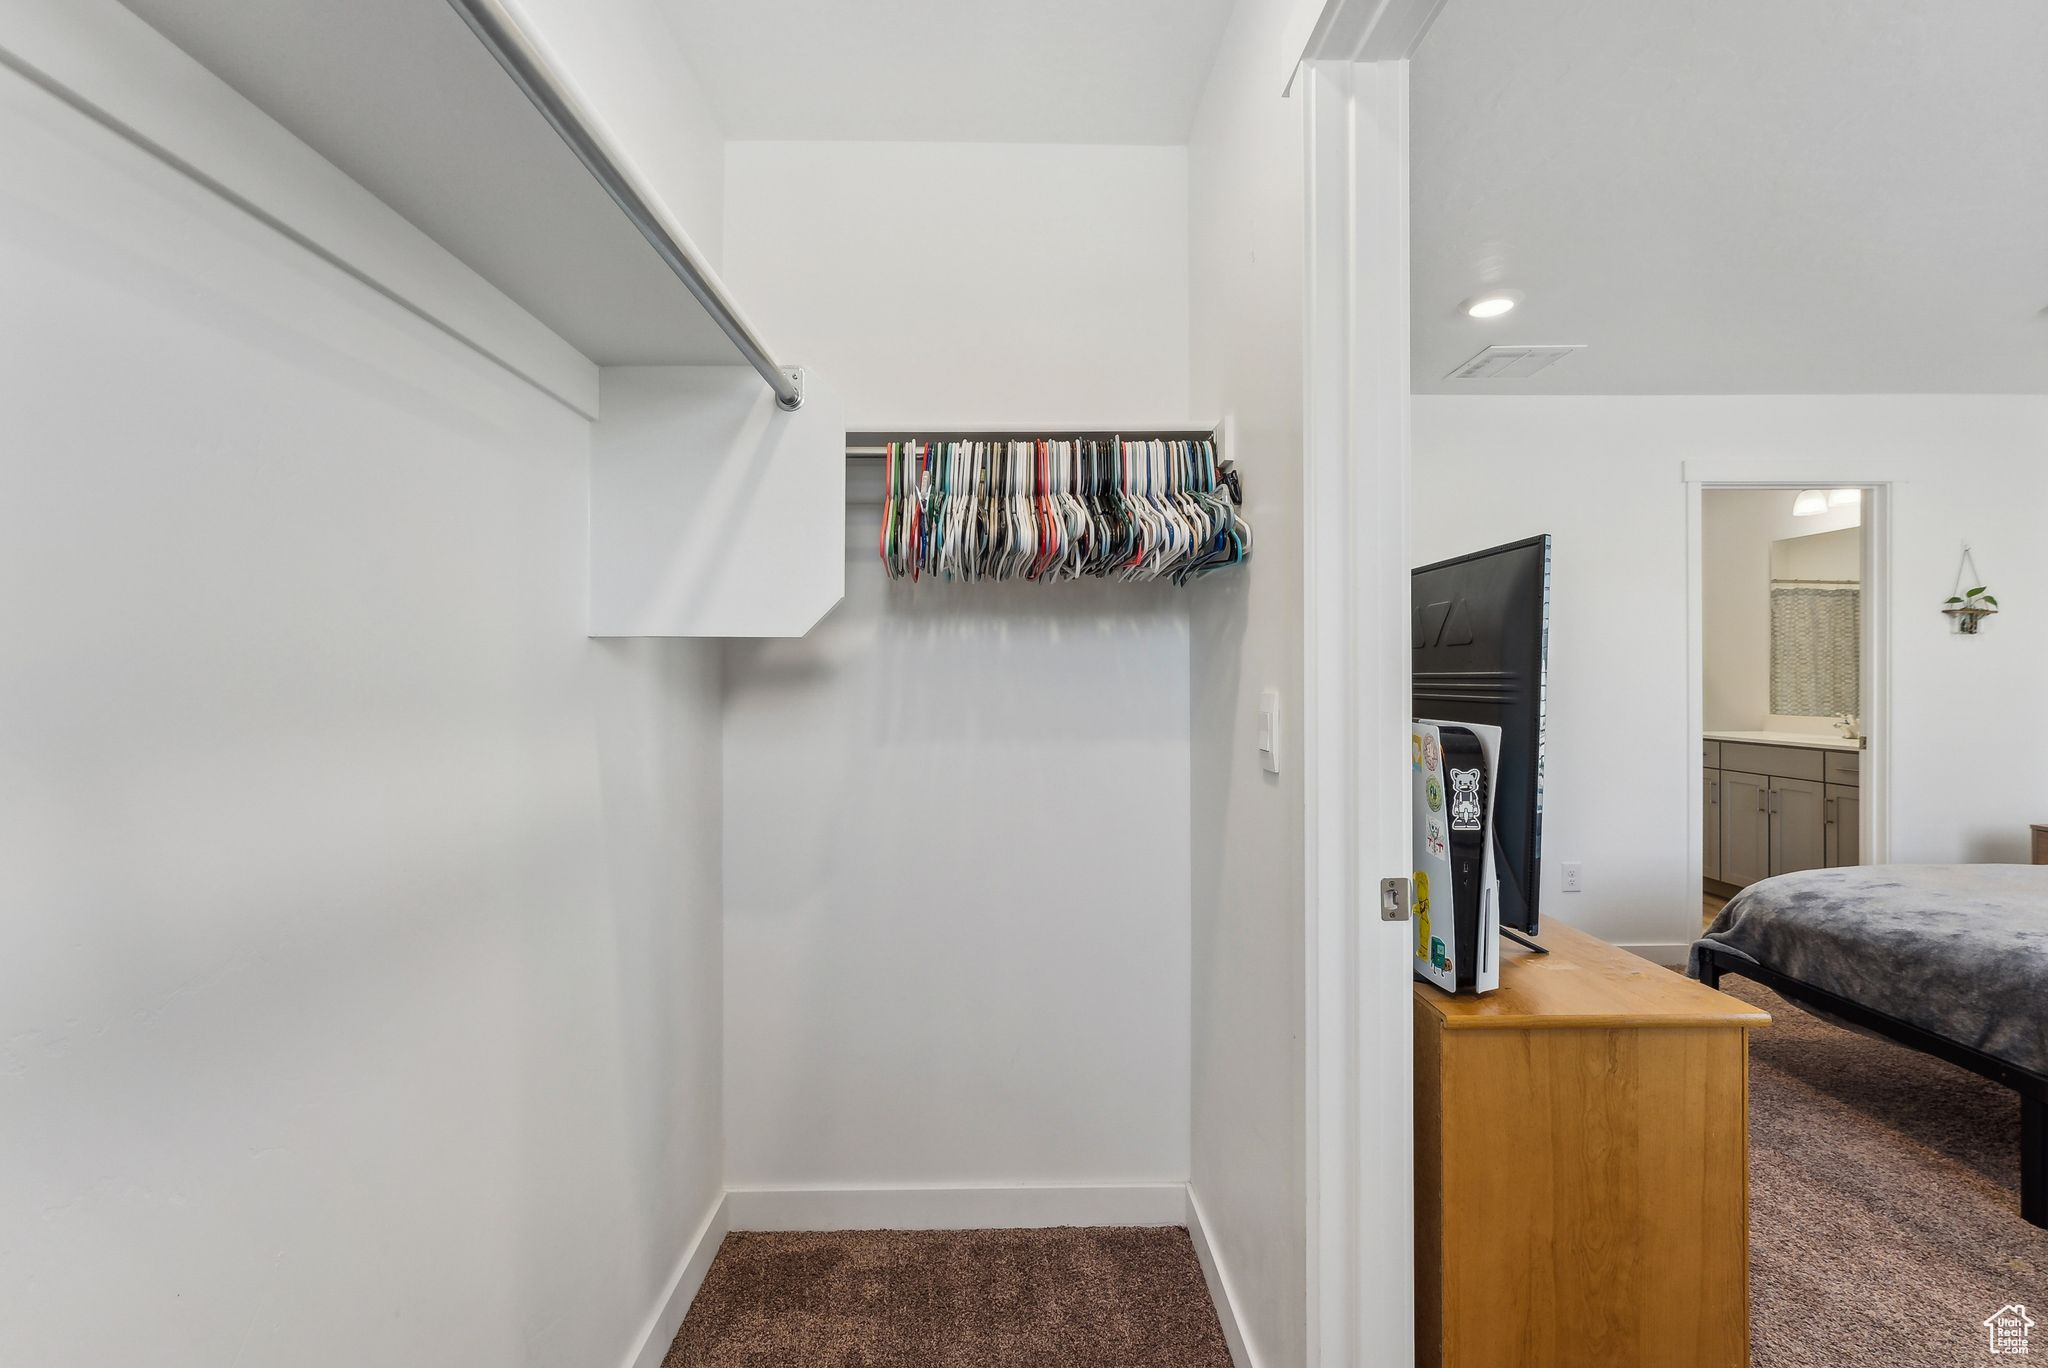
{"x":1949,"y":959}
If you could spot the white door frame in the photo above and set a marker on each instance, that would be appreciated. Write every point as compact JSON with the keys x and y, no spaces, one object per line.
{"x":1881,"y":478}
{"x":1355,"y":487}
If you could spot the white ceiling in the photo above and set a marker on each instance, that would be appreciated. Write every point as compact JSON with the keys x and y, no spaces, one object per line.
{"x":1072,"y":71}
{"x":1750,"y":196}
{"x":404,"y":98}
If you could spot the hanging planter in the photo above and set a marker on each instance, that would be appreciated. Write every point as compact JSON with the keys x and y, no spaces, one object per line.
{"x":1967,"y":608}
{"x":1970,"y":609}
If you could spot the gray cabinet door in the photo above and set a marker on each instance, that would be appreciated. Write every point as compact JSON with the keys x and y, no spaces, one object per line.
{"x":1844,"y":827}
{"x":1745,"y":828}
{"x":1798,"y":825}
{"x":1710,"y":839}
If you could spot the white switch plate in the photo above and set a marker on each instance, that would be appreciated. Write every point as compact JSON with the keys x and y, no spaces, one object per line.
{"x":1574,"y":875}
{"x":1269,"y":730}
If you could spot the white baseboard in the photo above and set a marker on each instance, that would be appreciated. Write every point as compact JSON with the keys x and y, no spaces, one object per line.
{"x":955,"y":1208}
{"x":1219,"y":1285}
{"x":1670,"y":954}
{"x":667,"y":1317}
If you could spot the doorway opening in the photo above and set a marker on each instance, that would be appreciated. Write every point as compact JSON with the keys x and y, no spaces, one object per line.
{"x":1788,"y":678}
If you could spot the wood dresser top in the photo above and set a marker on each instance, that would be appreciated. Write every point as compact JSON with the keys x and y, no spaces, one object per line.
{"x":1585,"y":982}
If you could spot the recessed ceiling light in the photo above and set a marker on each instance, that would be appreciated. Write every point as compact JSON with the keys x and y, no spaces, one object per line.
{"x":1491,"y":304}
{"x":1810,"y":502}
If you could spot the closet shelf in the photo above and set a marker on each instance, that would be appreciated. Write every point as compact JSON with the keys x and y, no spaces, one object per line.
{"x":874,"y":441}
{"x":872,"y":444}
{"x":570,"y":225}
{"x":554,"y":95}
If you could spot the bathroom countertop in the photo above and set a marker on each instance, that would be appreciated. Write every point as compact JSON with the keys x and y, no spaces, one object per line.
{"x":1804,"y":740}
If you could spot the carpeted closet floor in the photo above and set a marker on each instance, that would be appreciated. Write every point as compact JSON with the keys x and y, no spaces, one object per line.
{"x":1079,"y":1297}
{"x":1884,"y":1201}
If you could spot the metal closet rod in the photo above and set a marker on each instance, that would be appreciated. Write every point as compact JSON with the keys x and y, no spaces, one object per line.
{"x":586,"y":137}
{"x":875,"y":445}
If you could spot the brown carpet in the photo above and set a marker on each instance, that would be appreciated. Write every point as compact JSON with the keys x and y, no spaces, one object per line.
{"x":1884,"y":1202}
{"x":1079,"y":1297}
{"x":1884,"y":1226}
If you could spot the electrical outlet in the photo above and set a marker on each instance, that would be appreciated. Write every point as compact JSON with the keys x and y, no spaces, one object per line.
{"x":1574,"y":874}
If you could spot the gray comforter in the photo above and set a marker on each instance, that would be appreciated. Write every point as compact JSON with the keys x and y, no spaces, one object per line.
{"x":1959,"y":950}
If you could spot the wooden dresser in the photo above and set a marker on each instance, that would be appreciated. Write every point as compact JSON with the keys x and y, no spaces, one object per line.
{"x":1581,"y":1166}
{"x":2040,"y":844}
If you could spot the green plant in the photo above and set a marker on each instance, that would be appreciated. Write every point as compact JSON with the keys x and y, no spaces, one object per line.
{"x":1970,"y":607}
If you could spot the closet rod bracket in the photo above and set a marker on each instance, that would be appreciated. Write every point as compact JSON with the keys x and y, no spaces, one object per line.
{"x":1226,"y":471}
{"x":794,"y":400}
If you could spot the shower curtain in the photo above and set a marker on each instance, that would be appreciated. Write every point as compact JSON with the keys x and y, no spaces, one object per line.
{"x":1816,"y":637}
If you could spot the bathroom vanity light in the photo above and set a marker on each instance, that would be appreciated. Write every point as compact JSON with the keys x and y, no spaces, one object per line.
{"x":1809,"y":502}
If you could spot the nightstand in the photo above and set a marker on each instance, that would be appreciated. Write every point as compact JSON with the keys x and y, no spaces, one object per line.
{"x":2040,"y":843}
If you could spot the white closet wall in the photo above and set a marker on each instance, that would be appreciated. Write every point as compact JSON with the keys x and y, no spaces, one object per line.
{"x":360,"y":1001}
{"x":639,"y":80}
{"x":1249,"y":1126}
{"x":956,"y":835}
{"x":970,"y":283}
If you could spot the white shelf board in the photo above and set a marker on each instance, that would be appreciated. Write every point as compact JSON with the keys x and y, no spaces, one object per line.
{"x":406,"y":101}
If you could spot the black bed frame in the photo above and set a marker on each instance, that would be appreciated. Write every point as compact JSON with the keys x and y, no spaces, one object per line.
{"x":2032,"y":1087}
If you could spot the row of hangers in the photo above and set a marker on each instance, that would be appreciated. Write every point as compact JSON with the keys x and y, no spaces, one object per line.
{"x":1046,"y":509}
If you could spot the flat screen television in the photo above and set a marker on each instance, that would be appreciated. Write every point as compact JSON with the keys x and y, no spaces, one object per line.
{"x":1482,"y":646}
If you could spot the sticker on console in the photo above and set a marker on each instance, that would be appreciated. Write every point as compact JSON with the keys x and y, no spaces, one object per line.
{"x":1465,"y":810}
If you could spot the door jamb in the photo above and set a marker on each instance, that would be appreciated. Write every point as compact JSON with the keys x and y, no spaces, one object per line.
{"x":1358,"y":1024}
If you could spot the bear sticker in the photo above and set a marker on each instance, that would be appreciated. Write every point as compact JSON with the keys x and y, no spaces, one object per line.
{"x":1465,"y":805}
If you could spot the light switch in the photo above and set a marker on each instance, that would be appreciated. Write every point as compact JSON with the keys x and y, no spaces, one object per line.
{"x":1269,"y":730}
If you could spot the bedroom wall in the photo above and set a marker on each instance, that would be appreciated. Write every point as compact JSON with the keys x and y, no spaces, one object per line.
{"x":956,"y":816}
{"x":1602,"y":474}
{"x":360,"y":1001}
{"x":1250,"y":1140}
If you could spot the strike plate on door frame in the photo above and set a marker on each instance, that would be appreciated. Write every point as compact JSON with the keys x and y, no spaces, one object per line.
{"x":1393,"y":900}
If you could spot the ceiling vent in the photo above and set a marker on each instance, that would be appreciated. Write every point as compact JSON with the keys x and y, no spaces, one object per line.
{"x":1512,"y":363}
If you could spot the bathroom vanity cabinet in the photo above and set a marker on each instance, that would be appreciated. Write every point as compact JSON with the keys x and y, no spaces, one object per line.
{"x":1776,"y":807}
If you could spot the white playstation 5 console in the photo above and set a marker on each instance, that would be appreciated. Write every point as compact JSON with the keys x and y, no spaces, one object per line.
{"x":1455,"y":907}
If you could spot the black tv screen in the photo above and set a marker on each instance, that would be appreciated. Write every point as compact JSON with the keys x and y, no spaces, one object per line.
{"x":1482,"y":645}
